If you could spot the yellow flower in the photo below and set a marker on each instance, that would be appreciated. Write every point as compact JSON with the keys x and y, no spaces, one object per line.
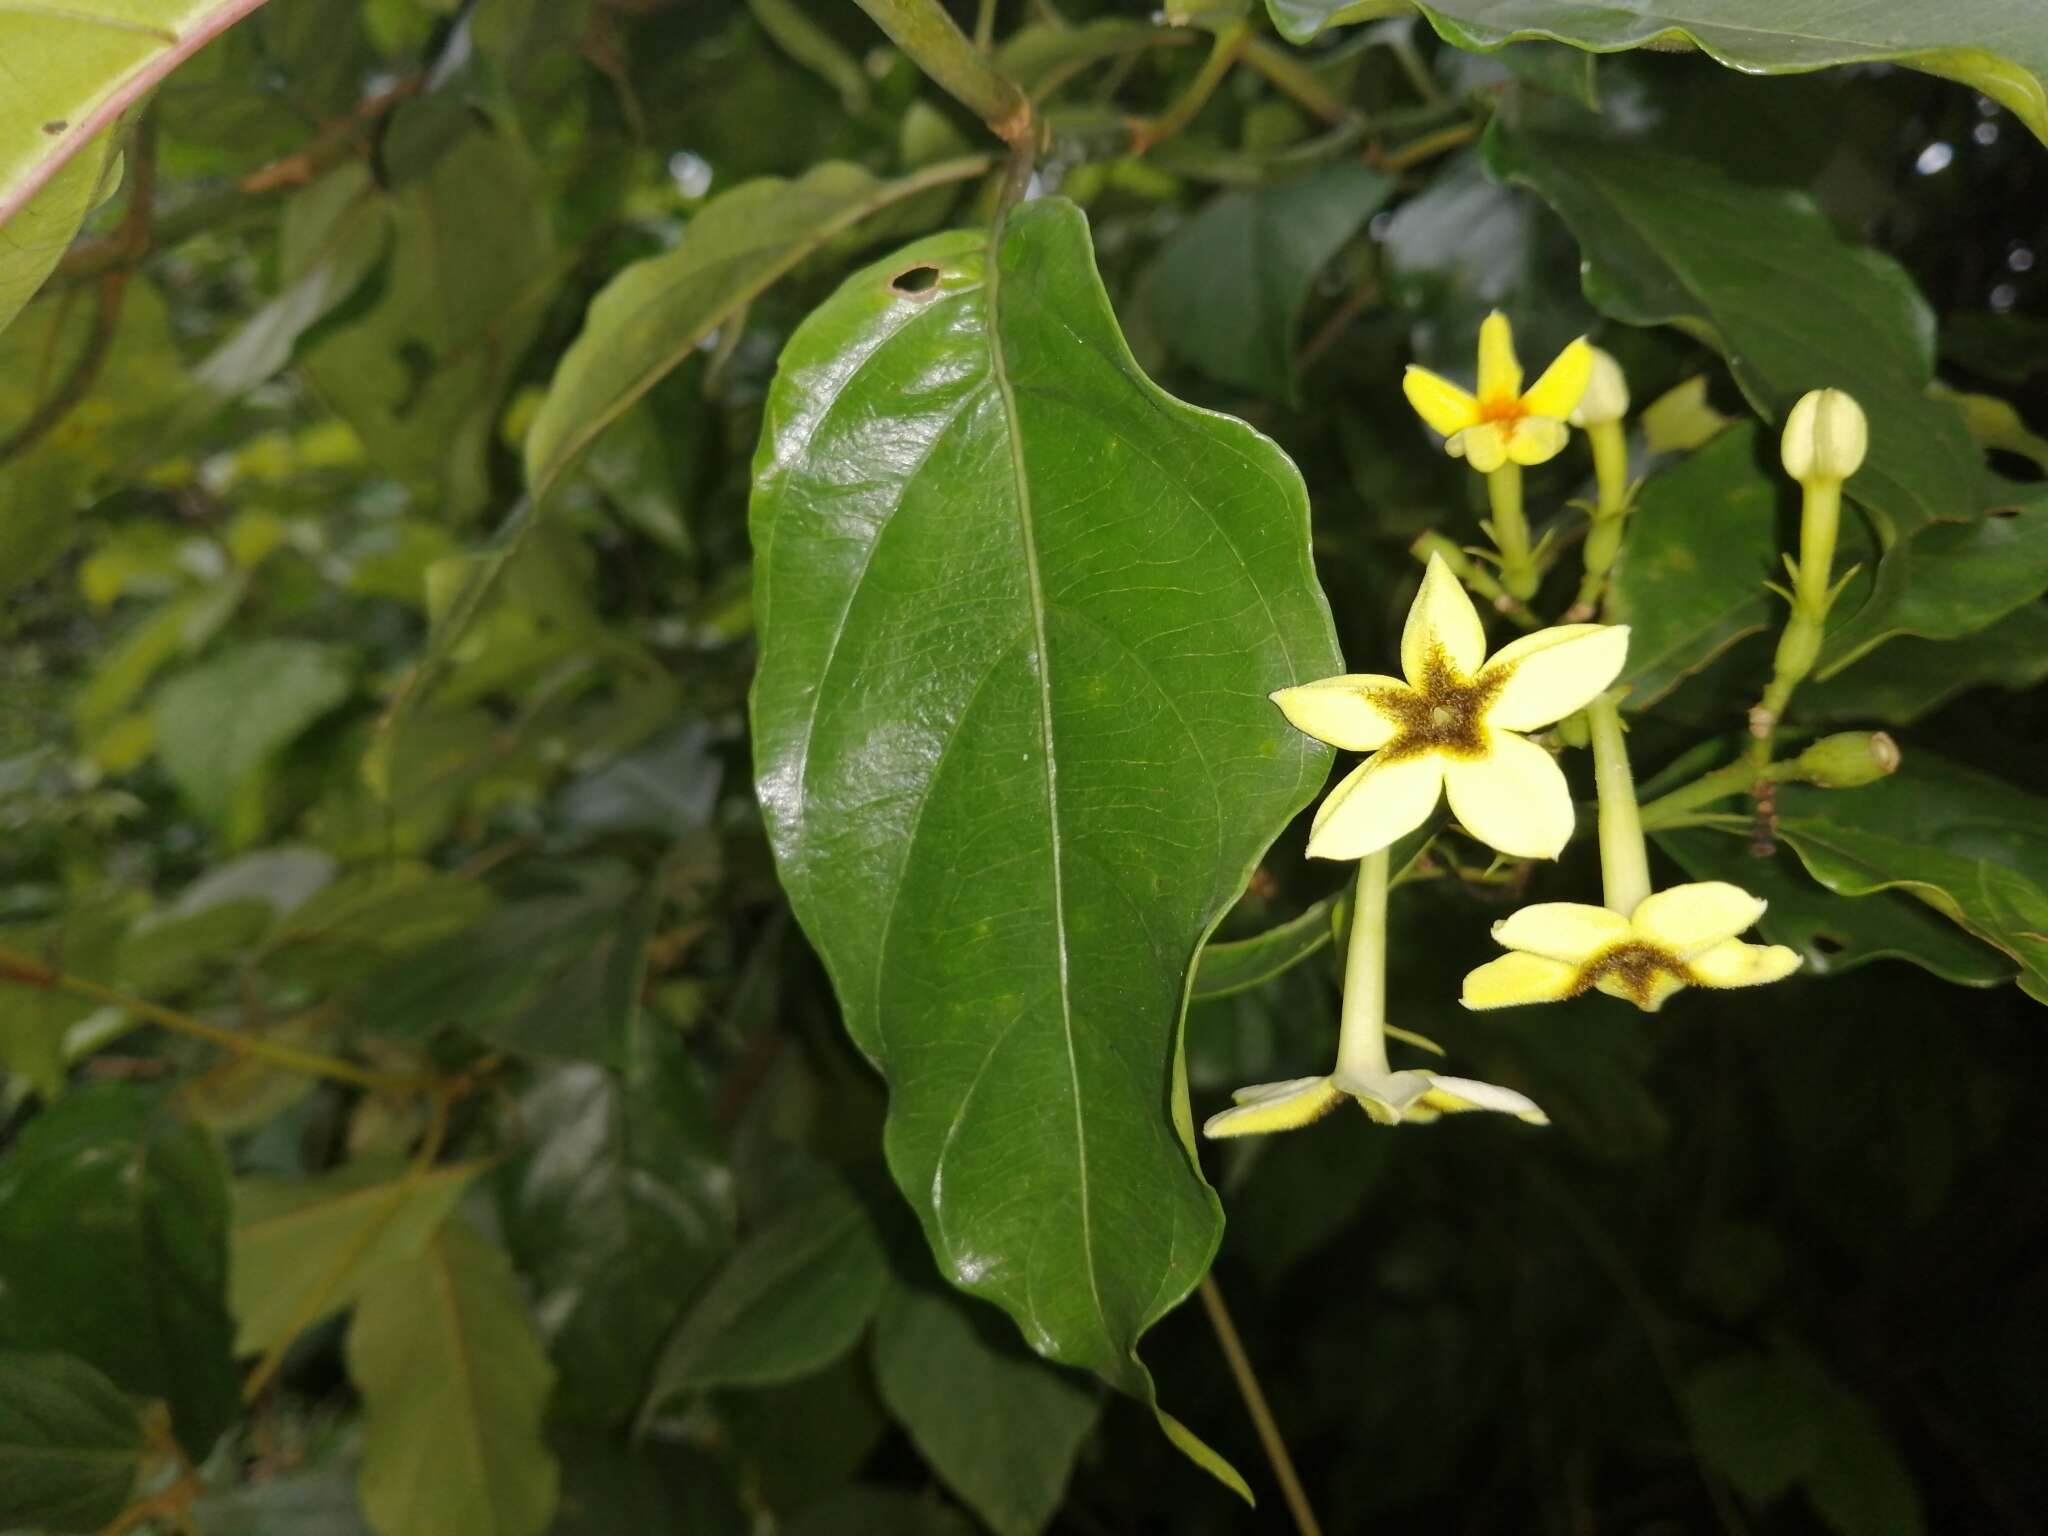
{"x":1391,"y":1098}
{"x":1681,"y":937}
{"x":1503,"y":422}
{"x":1452,"y":726}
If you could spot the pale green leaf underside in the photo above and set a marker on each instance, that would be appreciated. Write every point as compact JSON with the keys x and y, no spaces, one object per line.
{"x":1999,"y":47}
{"x":1019,"y":613}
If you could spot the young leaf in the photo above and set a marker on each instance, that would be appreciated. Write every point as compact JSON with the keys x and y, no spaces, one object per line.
{"x":305,"y":1249}
{"x":1001,"y":1427}
{"x":114,"y":1248}
{"x":454,"y":1384}
{"x":35,"y":239}
{"x":1227,"y":290}
{"x":69,"y":1444}
{"x":655,"y":312}
{"x":1015,"y":752}
{"x":1995,"y":46}
{"x":1242,"y":963}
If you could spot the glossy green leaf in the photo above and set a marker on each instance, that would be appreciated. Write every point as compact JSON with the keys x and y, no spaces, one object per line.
{"x":454,"y":1384}
{"x":653,"y":314}
{"x":1238,"y":964}
{"x":220,"y":725}
{"x":75,"y":66}
{"x":1947,"y":580}
{"x":70,"y":1444}
{"x":619,"y":1209}
{"x":1832,"y":933}
{"x":114,"y":1248}
{"x":1689,"y":582}
{"x":1673,"y":241}
{"x":1998,"y":47}
{"x":1300,"y":20}
{"x":1042,"y":626}
{"x":305,"y":1249}
{"x":1227,"y":290}
{"x":1914,"y":677}
{"x":793,"y":1298}
{"x":1000,"y":1426}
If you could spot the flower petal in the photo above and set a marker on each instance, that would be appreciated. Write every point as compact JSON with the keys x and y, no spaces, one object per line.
{"x":1732,"y":963}
{"x":1554,"y":672}
{"x":1275,"y":1107}
{"x":1389,"y":1097}
{"x":1438,"y":401}
{"x":1519,"y":978}
{"x":1570,"y":931}
{"x":1376,"y":803}
{"x":1500,"y":374}
{"x":1689,"y":919}
{"x":1340,"y":710}
{"x":1441,"y":618}
{"x":1656,"y":988}
{"x":1536,"y":439}
{"x":1450,"y":1095}
{"x":1513,"y":799}
{"x":1557,"y":392}
{"x":1484,"y":447}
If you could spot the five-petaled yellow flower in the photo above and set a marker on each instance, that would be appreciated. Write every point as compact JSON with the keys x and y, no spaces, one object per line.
{"x":1502,"y":423}
{"x":1452,"y":726}
{"x":1389,"y":1097}
{"x":1681,"y":937}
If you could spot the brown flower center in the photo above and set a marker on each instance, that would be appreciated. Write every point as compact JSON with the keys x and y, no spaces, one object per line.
{"x":1633,"y":966}
{"x":1445,"y":714}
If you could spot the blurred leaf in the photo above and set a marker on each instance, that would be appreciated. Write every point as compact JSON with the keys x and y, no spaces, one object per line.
{"x":1837,"y":933}
{"x":1699,"y":546}
{"x":877,"y":1512}
{"x":1672,"y":241}
{"x":1227,"y":289}
{"x":70,"y":1444}
{"x":368,"y":916}
{"x":799,"y":1440}
{"x":1115,"y":582}
{"x":610,"y":1489}
{"x":1914,"y":677}
{"x":655,"y":312}
{"x":619,"y":1209}
{"x":303,"y":1506}
{"x":1300,"y":20}
{"x":1001,"y":1427}
{"x":1042,"y":57}
{"x":1237,"y":964}
{"x":454,"y":1384}
{"x":114,"y":1248}
{"x":305,"y":1249}
{"x":668,"y":787}
{"x":1682,"y":419}
{"x":1994,"y":46}
{"x":792,"y":1298}
{"x":220,"y":725}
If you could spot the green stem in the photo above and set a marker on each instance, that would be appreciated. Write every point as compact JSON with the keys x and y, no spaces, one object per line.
{"x":1603,"y":539}
{"x":1511,"y":531}
{"x":1737,"y":778}
{"x":1624,"y":857}
{"x":1362,"y":1036}
{"x":1224,"y":51}
{"x":1291,"y":77}
{"x":1820,"y":516}
{"x":923,"y":30}
{"x":26,"y":971}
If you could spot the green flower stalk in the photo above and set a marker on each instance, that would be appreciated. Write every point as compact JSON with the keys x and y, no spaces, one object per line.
{"x":1600,"y":414}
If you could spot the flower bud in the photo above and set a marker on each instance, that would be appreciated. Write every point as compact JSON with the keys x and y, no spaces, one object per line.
{"x":1825,"y":437}
{"x":1606,"y":396}
{"x":1848,"y":760}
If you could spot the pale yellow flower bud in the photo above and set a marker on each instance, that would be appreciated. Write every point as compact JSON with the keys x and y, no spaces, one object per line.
{"x":1606,"y":396}
{"x":1825,"y":437}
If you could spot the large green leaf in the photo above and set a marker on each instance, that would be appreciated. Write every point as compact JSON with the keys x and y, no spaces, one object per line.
{"x":70,"y":1444}
{"x":114,"y":1248}
{"x":306,"y":1249}
{"x":1998,"y":47}
{"x":1701,"y":543}
{"x":1226,"y":291}
{"x":34,"y":240}
{"x":655,"y":312}
{"x":454,"y":1384}
{"x":1913,"y":677}
{"x":1019,"y":613}
{"x":1001,"y":1427}
{"x":75,"y":66}
{"x":1672,"y":241}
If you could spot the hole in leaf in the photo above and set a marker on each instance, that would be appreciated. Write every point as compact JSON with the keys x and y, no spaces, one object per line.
{"x":1828,"y":944}
{"x":916,"y":280}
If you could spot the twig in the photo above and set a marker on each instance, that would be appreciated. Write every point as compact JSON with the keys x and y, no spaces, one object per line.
{"x":935,"y":43}
{"x":1255,"y":1404}
{"x":1290,"y":76}
{"x":1428,"y":147}
{"x":1229,"y":45}
{"x":1355,"y":303}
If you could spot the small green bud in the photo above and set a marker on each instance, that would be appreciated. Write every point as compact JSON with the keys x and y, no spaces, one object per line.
{"x":1848,"y":760}
{"x":1573,"y":731}
{"x":1798,"y":647}
{"x":1825,"y":437}
{"x":1606,"y":396}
